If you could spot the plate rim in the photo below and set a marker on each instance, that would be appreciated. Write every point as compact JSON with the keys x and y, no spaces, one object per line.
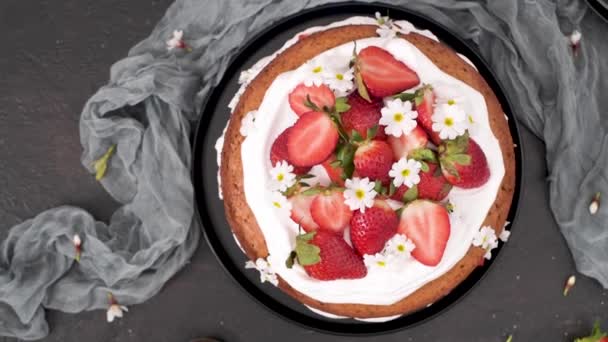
{"x":237,"y":274}
{"x":599,"y":8}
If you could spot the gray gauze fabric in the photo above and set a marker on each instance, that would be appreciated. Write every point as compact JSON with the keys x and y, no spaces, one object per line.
{"x":154,"y":96}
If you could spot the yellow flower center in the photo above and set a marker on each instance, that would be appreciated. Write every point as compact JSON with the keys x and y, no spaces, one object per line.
{"x":381,"y":263}
{"x":360,"y":194}
{"x":451,"y":102}
{"x":401,"y":248}
{"x":340,"y":77}
{"x":280,"y":177}
{"x":277,"y":204}
{"x":448,"y":122}
{"x":405,"y":172}
{"x":471,"y":119}
{"x":398,"y":117}
{"x":317,"y":70}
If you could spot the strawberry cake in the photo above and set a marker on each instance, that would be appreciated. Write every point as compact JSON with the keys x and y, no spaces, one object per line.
{"x":367,"y":169}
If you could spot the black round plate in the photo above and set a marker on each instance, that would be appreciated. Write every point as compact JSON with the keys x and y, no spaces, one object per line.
{"x":210,"y":208}
{"x":600,"y":6}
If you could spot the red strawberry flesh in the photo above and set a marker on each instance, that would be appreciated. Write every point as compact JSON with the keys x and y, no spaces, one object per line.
{"x":374,"y":160}
{"x":425,"y":111}
{"x":362,"y":116}
{"x":321,"y":96}
{"x":278,"y":152}
{"x":333,"y":172}
{"x":383,"y":74}
{"x":370,"y":230}
{"x":338,"y":259}
{"x":311,"y":140}
{"x":330,"y":212}
{"x":300,"y":212}
{"x":432,"y":185}
{"x":406,"y":143}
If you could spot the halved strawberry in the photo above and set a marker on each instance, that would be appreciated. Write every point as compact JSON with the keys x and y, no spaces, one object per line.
{"x":278,"y":152}
{"x":300,"y":211}
{"x":427,"y":224}
{"x":425,"y":106}
{"x":362,"y":116}
{"x":432,"y":185}
{"x":463,"y":163}
{"x":338,"y":259}
{"x":374,"y":160}
{"x":330,"y":212}
{"x":333,"y":172}
{"x":370,"y":230}
{"x":402,"y":146}
{"x":321,"y":96}
{"x":312,"y":139}
{"x":384,"y":75}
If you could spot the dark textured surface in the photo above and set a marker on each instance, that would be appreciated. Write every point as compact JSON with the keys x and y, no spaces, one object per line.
{"x":57,"y":53}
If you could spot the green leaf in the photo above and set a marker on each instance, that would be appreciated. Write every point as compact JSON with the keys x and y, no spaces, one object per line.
{"x":449,"y":207}
{"x":306,"y":176}
{"x":411,"y":194}
{"x":336,"y":163}
{"x":308,"y":103}
{"x":304,"y":184}
{"x":101,"y":164}
{"x":371,"y":132}
{"x":290,"y":259}
{"x":307,"y":253}
{"x":405,"y":96}
{"x":399,"y":211}
{"x":358,"y":78}
{"x":460,"y":158}
{"x":423,"y":154}
{"x":424,"y":166}
{"x":509,"y":339}
{"x":356,"y":136}
{"x":346,"y":155}
{"x":391,"y":189}
{"x":596,"y":334}
{"x":342,"y":105}
{"x":378,"y":186}
{"x":311,"y":191}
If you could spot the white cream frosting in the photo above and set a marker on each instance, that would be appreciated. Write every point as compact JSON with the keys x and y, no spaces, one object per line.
{"x":380,"y":287}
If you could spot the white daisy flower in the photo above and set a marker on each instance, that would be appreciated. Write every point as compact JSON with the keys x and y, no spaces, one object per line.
{"x":398,"y":117}
{"x":340,"y":81}
{"x":377,"y":260}
{"x":383,"y":20}
{"x":486,"y":239}
{"x":176,"y":41}
{"x":406,"y":172}
{"x":248,"y":123}
{"x":504,"y":235}
{"x":449,"y":120}
{"x":399,"y":245}
{"x":282,"y":176}
{"x":115,"y":310}
{"x":359,"y":193}
{"x":280,"y":202}
{"x":267,"y":274}
{"x":314,"y":73}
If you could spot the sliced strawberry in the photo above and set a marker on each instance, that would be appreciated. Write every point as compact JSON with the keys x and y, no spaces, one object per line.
{"x":432,"y":185}
{"x":402,"y":146}
{"x":278,"y":152}
{"x":427,"y":224}
{"x":330,"y":212}
{"x":463,"y":163}
{"x":362,"y":116}
{"x":312,"y":139}
{"x":374,"y":160}
{"x":333,"y":172}
{"x":384,"y":75}
{"x":321,"y":96}
{"x":300,"y":211}
{"x":338,"y":259}
{"x":425,"y":106}
{"x":370,"y":230}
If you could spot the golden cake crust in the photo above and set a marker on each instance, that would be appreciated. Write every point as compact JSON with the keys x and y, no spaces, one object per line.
{"x":243,"y":222}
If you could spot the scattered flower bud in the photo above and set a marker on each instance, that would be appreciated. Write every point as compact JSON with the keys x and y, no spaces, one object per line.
{"x":101,"y":164}
{"x":509,"y":339}
{"x":575,"y":39}
{"x":77,"y":246}
{"x":569,"y":284}
{"x":115,"y":309}
{"x":177,"y":41}
{"x":595,"y":204}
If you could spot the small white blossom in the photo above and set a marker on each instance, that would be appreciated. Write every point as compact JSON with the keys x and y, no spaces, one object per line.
{"x":314,"y":73}
{"x":266,"y":272}
{"x":280,"y":202}
{"x":382,"y":20}
{"x":115,"y":310}
{"x":504,"y":235}
{"x":594,"y":206}
{"x":406,"y":172}
{"x":386,"y":32}
{"x":486,"y":239}
{"x":575,"y":37}
{"x":76,"y":241}
{"x":398,"y":117}
{"x":399,"y":245}
{"x":340,"y":81}
{"x":282,"y":176}
{"x":248,"y":123}
{"x":176,"y":40}
{"x":377,"y":260}
{"x":359,"y":193}
{"x":449,"y":120}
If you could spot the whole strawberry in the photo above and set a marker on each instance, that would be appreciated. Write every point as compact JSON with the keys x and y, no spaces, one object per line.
{"x":373,"y":159}
{"x":362,"y":116}
{"x":370,"y":230}
{"x":326,"y":256}
{"x":463,"y":163}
